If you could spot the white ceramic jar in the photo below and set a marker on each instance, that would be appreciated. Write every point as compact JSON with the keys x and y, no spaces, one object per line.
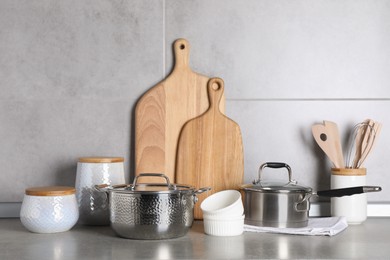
{"x":91,"y":171}
{"x":354,"y":207}
{"x":49,"y":209}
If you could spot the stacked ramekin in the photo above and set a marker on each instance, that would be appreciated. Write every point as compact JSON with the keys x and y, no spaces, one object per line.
{"x":223,"y":214}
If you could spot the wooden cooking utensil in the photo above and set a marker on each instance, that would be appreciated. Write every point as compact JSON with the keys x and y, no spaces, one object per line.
{"x":210,"y":151}
{"x":162,"y":111}
{"x":327,"y":137}
{"x":371,"y":133}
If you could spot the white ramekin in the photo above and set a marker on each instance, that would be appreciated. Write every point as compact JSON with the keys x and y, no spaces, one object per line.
{"x":226,"y":204}
{"x":224,"y":227}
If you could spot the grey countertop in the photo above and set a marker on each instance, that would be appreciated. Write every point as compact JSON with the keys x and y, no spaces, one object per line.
{"x":370,"y":240}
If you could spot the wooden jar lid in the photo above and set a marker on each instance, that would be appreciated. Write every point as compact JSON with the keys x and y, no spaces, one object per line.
{"x":51,"y":191}
{"x":349,"y":171}
{"x":101,"y":159}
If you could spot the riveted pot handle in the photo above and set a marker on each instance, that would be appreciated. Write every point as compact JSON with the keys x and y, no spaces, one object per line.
{"x":201,"y":190}
{"x":103,"y":188}
{"x":274,"y":165}
{"x":305,"y":201}
{"x":170,"y":186}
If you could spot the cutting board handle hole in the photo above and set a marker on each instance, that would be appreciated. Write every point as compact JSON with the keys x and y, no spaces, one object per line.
{"x":216,"y":86}
{"x":182,"y":46}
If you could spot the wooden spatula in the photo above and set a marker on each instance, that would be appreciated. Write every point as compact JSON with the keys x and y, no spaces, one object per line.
{"x":210,"y":151}
{"x":327,"y":137}
{"x":162,"y":111}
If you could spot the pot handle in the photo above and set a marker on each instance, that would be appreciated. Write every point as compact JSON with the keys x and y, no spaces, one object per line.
{"x":305,"y":201}
{"x":106,"y":187}
{"x":201,"y":190}
{"x":274,"y":165}
{"x":170,"y":186}
{"x":348,"y":191}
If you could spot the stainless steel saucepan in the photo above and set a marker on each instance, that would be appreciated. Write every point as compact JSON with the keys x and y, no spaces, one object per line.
{"x":285,"y":204}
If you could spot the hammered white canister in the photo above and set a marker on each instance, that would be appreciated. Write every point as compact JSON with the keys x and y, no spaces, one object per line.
{"x":91,"y":171}
{"x":354,"y":207}
{"x":49,"y":209}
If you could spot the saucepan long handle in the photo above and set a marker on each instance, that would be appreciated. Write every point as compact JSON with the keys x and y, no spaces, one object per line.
{"x":348,"y":191}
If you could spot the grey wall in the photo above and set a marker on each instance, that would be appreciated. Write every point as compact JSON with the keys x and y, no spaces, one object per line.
{"x":72,"y":71}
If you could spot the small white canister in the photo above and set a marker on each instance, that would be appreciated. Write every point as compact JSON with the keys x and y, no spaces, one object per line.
{"x":91,"y":171}
{"x":354,"y":207}
{"x":49,"y":209}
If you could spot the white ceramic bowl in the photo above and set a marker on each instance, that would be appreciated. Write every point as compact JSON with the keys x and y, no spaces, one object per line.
{"x":224,"y":227}
{"x":223,"y":204}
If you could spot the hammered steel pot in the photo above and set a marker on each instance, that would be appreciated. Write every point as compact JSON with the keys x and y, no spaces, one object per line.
{"x":153,"y":210}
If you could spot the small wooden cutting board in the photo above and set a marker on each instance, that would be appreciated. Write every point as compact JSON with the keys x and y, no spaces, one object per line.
{"x":161,"y":113}
{"x":210,"y":150}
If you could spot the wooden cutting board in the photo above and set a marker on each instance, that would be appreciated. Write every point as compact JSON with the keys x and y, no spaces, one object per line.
{"x":210,"y":150}
{"x":163,"y":110}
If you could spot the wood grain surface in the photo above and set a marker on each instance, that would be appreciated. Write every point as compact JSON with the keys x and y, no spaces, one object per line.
{"x":163,"y":110}
{"x":210,"y":151}
{"x":328,"y":138}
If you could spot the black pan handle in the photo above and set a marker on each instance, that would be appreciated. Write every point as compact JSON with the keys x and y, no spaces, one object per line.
{"x":348,"y":191}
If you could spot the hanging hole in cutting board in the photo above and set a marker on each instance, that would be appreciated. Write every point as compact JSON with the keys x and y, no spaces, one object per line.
{"x":323,"y":137}
{"x":216,"y":86}
{"x":182,"y":46}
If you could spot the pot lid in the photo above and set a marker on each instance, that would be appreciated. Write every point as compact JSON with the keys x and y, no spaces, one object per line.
{"x":152,"y":188}
{"x":274,"y":186}
{"x":277,"y":187}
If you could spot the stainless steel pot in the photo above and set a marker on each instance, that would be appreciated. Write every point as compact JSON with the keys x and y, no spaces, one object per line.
{"x":153,"y":210}
{"x":285,"y":204}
